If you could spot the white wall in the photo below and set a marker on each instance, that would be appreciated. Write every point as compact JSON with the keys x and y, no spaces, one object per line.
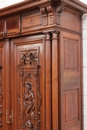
{"x":4,"y":3}
{"x":84,"y":29}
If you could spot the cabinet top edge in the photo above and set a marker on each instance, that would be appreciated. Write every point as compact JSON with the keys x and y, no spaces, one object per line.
{"x":76,"y":4}
{"x":27,"y":5}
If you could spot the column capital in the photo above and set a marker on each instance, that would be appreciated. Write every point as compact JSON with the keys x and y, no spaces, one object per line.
{"x":55,"y":35}
{"x":48,"y":35}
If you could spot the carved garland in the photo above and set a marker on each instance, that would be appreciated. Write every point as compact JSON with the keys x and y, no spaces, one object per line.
{"x":31,"y":90}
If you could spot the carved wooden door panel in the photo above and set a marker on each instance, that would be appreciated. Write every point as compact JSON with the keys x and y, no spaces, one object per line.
{"x":28,"y":83}
{"x":70,"y":82}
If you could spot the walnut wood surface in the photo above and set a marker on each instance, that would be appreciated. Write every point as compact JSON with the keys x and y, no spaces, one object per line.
{"x":41,"y":65}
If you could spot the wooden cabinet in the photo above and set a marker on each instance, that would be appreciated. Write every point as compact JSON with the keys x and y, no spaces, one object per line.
{"x":41,"y":65}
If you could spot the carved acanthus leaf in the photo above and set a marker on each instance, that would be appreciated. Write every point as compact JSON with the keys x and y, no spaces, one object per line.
{"x":59,"y":11}
{"x":60,"y":8}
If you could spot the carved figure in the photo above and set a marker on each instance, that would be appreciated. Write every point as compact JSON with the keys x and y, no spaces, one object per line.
{"x":29,"y":100}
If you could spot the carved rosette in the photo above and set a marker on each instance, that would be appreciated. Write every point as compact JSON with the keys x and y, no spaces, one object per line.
{"x":30,"y":97}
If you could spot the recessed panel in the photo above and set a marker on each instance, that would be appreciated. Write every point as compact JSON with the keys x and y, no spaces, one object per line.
{"x":71,"y":106}
{"x":74,"y":127}
{"x":31,"y":21}
{"x":70,"y":54}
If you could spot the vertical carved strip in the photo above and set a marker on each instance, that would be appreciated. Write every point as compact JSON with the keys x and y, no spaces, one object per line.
{"x":30,"y":99}
{"x":48,"y":82}
{"x":1,"y":94}
{"x":55,"y":80}
{"x":21,"y":97}
{"x":20,"y":104}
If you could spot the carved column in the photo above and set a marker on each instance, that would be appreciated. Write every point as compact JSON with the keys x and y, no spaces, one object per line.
{"x":55,"y":81}
{"x":48,"y":82}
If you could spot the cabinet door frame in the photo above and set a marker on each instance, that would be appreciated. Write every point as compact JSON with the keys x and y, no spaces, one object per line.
{"x":45,"y":77}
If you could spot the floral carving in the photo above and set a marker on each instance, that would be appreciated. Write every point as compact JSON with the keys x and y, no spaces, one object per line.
{"x":30,"y":101}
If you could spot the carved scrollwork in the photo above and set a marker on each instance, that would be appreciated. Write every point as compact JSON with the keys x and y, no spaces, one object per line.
{"x":30,"y":101}
{"x":60,"y":8}
{"x":59,"y":11}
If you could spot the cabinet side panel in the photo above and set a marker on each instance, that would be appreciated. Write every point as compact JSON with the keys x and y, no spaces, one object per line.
{"x":70,"y":83}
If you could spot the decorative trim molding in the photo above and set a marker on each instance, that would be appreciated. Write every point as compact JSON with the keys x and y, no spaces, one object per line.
{"x":29,"y":13}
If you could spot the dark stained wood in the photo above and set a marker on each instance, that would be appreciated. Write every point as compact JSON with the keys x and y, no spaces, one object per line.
{"x":40,"y":65}
{"x":55,"y":81}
